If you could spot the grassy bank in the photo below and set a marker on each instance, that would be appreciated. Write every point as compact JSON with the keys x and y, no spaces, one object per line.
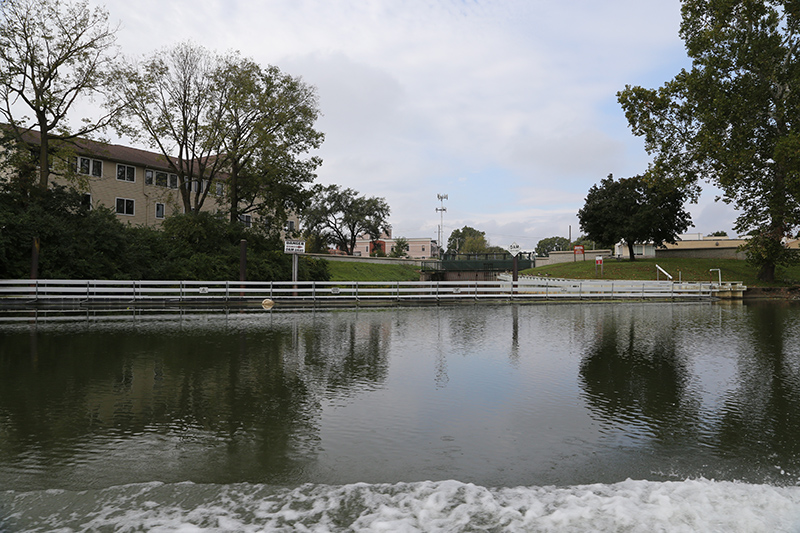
{"x":684,"y":269}
{"x":357,"y":271}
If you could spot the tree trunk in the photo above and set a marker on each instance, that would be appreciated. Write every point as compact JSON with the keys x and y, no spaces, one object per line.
{"x":767,"y":272}
{"x":233,"y":190}
{"x":44,"y":160}
{"x":630,"y":251}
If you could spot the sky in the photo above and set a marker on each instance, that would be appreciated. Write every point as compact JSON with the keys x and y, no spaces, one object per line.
{"x":508,"y":107}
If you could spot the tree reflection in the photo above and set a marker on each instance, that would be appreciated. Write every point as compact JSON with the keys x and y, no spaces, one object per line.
{"x":633,"y":377}
{"x":763,"y":412}
{"x":199,"y":389}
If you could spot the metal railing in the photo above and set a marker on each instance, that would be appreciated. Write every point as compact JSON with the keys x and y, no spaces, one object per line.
{"x":79,"y":292}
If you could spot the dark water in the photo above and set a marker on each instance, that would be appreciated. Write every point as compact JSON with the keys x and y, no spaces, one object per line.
{"x":496,"y":396}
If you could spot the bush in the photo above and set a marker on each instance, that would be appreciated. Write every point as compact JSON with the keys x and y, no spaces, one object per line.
{"x":76,"y":242}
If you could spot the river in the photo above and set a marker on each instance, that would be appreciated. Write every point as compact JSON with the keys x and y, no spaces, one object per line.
{"x":529,"y":417}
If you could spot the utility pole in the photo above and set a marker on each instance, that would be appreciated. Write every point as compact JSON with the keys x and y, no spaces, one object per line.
{"x":441,"y":210}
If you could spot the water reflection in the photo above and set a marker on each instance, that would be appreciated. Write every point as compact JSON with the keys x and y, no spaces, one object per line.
{"x":634,"y":376}
{"x":643,"y":378}
{"x":496,"y":395}
{"x":763,"y":411}
{"x":245,"y":402}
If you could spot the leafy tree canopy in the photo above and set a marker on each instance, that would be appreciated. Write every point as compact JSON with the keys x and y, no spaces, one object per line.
{"x":545,"y":246}
{"x":339,"y":216}
{"x":732,"y":118}
{"x":634,"y":210}
{"x":51,"y":54}
{"x":400,"y":248}
{"x":467,"y":240}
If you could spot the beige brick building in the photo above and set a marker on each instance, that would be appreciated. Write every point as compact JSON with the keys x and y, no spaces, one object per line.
{"x":138,"y":185}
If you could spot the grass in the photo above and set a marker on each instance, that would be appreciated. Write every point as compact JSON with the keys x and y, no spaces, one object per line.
{"x":684,"y":269}
{"x":353,"y":271}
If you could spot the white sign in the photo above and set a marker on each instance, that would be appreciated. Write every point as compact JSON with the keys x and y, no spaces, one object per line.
{"x":513,"y":249}
{"x":294,"y":247}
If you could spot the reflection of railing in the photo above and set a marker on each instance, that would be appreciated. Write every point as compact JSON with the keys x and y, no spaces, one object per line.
{"x":24,"y":293}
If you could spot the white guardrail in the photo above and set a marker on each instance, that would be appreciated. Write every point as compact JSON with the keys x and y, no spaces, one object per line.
{"x":69,"y":292}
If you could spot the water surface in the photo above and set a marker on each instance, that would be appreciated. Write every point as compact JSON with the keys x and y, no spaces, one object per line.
{"x":448,"y":400}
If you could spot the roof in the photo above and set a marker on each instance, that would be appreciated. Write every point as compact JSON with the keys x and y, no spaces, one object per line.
{"x":110,"y":152}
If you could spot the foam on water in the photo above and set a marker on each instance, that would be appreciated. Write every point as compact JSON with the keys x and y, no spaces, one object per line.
{"x":631,"y":506}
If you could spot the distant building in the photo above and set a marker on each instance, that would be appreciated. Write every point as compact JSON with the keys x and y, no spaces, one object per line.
{"x":418,"y":247}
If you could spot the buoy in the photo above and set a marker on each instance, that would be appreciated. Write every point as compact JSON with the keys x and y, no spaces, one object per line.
{"x":267,"y":304}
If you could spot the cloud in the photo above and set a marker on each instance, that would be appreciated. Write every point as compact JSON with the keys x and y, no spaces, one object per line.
{"x":507,"y":105}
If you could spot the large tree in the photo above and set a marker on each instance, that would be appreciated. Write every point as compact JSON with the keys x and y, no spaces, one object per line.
{"x":268,"y":127}
{"x":734,"y":117}
{"x":634,"y":210}
{"x":467,"y":240}
{"x":173,"y":103}
{"x":339,"y":216}
{"x":549,"y":244}
{"x":51,"y":54}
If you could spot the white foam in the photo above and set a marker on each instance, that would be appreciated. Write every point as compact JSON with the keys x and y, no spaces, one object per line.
{"x":631,"y":506}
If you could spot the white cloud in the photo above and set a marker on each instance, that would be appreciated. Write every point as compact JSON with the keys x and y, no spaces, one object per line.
{"x":507,"y":105}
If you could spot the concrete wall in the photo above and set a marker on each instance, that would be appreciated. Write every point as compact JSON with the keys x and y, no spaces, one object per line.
{"x":702,"y":253}
{"x":569,"y":257}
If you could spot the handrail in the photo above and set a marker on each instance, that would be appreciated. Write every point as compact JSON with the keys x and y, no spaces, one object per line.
{"x":22,"y":292}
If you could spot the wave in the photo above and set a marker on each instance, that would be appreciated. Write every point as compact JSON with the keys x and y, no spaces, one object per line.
{"x":453,"y":506}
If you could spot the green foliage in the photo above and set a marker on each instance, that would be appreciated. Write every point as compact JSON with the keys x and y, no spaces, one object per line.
{"x":467,"y":240}
{"x":685,"y":269}
{"x":76,"y":242}
{"x":51,"y":54}
{"x":545,"y":246}
{"x":338,"y":216}
{"x":268,"y":119}
{"x":400,"y":248}
{"x":634,"y":210}
{"x":718,"y":234}
{"x":732,"y":118}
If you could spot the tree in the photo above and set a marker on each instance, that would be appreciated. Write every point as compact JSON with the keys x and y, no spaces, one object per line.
{"x":467,"y":240}
{"x":732,"y":118}
{"x":341,"y":215}
{"x":172,"y":103}
{"x":638,"y":209}
{"x":268,"y":124}
{"x":400,"y":248}
{"x":545,"y":246}
{"x":718,"y":234}
{"x":51,"y":54}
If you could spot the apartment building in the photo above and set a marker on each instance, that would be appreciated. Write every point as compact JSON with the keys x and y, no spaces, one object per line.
{"x":138,"y":185}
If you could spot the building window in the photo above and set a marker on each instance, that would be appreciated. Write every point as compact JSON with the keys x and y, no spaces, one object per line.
{"x":148,"y":177}
{"x":90,"y":167}
{"x":125,"y":206}
{"x":126,"y":173}
{"x":160,"y":210}
{"x":161,"y":179}
{"x":173,"y":181}
{"x":86,"y":201}
{"x":247,"y":220}
{"x":290,"y":225}
{"x":220,"y":189}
